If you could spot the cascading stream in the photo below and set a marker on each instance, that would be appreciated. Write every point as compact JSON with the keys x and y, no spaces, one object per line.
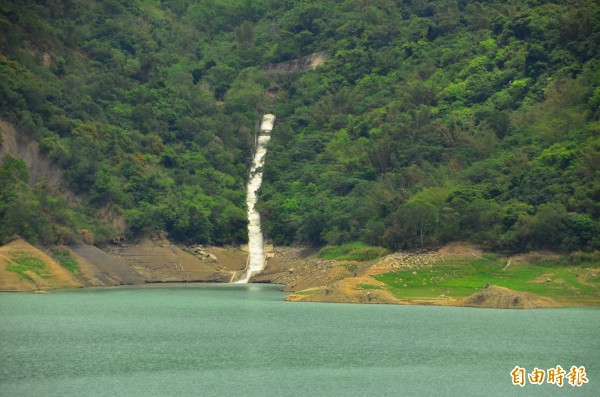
{"x":256,"y":250}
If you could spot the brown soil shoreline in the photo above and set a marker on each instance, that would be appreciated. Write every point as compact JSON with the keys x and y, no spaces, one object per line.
{"x":315,"y":280}
{"x":307,"y":277}
{"x":149,"y":261}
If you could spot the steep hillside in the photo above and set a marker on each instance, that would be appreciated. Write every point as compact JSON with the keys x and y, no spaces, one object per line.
{"x":430,"y":121}
{"x":148,"y":124}
{"x":24,"y":267}
{"x":440,"y":121}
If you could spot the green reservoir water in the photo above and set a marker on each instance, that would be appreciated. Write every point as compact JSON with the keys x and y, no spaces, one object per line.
{"x":243,"y":340}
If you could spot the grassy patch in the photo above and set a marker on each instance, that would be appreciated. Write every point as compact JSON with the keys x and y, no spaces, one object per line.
{"x":63,"y":256}
{"x":369,"y":286}
{"x":25,"y":264}
{"x":460,"y":278}
{"x":355,"y":251}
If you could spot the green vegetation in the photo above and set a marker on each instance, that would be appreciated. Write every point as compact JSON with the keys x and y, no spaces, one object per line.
{"x":432,"y":121}
{"x":354,"y":251}
{"x":64,"y":257}
{"x":461,"y":278}
{"x":26,"y":264}
{"x":149,"y":107}
{"x":440,"y":121}
{"x":39,"y":217}
{"x":369,"y":286}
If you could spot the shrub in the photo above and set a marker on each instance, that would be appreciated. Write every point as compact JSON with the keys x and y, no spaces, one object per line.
{"x":354,"y":251}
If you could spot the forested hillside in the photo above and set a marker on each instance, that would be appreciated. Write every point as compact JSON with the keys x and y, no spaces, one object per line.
{"x":431,"y":121}
{"x":437,"y":121}
{"x":149,"y":108}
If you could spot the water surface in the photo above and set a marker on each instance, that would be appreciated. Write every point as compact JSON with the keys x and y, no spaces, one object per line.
{"x":242,"y":340}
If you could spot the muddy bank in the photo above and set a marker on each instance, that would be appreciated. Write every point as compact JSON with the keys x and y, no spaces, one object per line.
{"x":357,"y":284}
{"x":307,"y":277}
{"x":99,"y":268}
{"x":161,"y":261}
{"x":24,"y":267}
{"x":311,"y":279}
{"x":298,"y":268}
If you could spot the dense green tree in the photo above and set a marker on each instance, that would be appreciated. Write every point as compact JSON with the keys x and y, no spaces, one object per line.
{"x":492,"y":102}
{"x":431,"y":121}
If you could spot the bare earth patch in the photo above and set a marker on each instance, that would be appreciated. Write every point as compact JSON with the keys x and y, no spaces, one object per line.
{"x":589,"y":275}
{"x":314,"y":280}
{"x":458,"y":249}
{"x":150,"y":261}
{"x":309,"y":278}
{"x":299,"y":269}
{"x":161,"y":261}
{"x":542,"y":278}
{"x":48,"y":273}
{"x":503,"y":298}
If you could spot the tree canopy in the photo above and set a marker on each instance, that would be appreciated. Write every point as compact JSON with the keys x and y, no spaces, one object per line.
{"x":431,"y":121}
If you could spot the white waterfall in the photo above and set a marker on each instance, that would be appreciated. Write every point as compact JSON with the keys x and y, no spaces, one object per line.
{"x":256,"y":250}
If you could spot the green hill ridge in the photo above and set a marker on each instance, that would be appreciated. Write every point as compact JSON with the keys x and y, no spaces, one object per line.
{"x":430,"y":121}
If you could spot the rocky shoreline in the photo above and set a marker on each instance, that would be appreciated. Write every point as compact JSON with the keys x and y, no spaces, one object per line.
{"x":311,"y":279}
{"x":306,"y":276}
{"x":24,"y":267}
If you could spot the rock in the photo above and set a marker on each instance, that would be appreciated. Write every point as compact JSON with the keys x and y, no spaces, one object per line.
{"x":414,"y":273}
{"x":212,"y":257}
{"x":220,"y":278}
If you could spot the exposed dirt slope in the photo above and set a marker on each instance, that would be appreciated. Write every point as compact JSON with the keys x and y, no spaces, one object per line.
{"x":346,"y":290}
{"x":308,"y":62}
{"x":148,"y":261}
{"x":100,"y":268}
{"x":298,"y":268}
{"x":161,"y":261}
{"x":34,"y":269}
{"x":310,"y":278}
{"x":493,"y":296}
{"x":314,"y":280}
{"x":43,"y":172}
{"x":350,"y":288}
